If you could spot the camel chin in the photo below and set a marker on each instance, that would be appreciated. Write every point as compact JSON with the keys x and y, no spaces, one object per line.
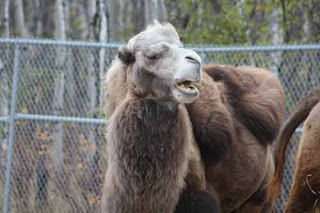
{"x":185,"y":92}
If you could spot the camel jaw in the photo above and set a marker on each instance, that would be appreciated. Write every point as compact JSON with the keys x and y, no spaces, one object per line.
{"x":184,"y":91}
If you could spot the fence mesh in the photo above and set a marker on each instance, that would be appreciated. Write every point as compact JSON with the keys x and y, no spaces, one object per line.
{"x":59,"y":166}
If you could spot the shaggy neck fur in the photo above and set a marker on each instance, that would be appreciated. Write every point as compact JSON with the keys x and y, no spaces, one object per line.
{"x":147,"y":153}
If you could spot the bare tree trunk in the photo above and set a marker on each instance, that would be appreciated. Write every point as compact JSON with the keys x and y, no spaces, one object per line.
{"x":59,"y":83}
{"x":250,"y":31}
{"x":277,"y":37}
{"x":83,"y":9}
{"x":6,"y":17}
{"x":96,"y":68}
{"x":240,"y":4}
{"x":155,"y":9}
{"x":151,"y":11}
{"x":163,"y":13}
{"x":4,"y":89}
{"x":90,"y":20}
{"x":20,"y":18}
{"x":70,"y":85}
{"x":4,"y":98}
{"x":71,"y":69}
{"x":57,"y":146}
{"x":277,"y":33}
{"x":29,"y":15}
{"x":66,"y":9}
{"x":103,"y":37}
{"x":37,"y":17}
{"x":307,"y":31}
{"x":60,"y":20}
{"x":92,"y":70}
{"x":135,"y":8}
{"x":114,"y":19}
{"x":286,"y":35}
{"x":311,"y":28}
{"x":46,"y":17}
{"x":312,"y":21}
{"x":4,"y":74}
{"x":92,"y":91}
{"x":122,"y":17}
{"x":92,"y":81}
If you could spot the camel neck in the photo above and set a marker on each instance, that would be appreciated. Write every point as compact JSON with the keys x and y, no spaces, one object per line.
{"x":158,"y":109}
{"x":148,"y":99}
{"x":155,"y":132}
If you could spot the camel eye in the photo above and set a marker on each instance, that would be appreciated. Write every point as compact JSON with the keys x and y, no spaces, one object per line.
{"x":153,"y":56}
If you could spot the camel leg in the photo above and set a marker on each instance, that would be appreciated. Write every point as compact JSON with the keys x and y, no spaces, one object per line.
{"x":256,"y":204}
{"x":197,"y":202}
{"x":258,"y":201}
{"x":250,"y":207}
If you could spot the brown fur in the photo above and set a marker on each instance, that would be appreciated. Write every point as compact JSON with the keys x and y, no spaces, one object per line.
{"x":121,"y":76}
{"x":151,"y":149}
{"x":251,"y":95}
{"x":302,"y":199}
{"x":308,"y":108}
{"x":238,"y":163}
{"x":152,"y":182}
{"x":212,"y":122}
{"x":218,"y":122}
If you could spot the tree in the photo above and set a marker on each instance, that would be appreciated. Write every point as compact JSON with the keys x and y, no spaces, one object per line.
{"x":155,"y":9}
{"x":103,"y":37}
{"x":6,"y":18}
{"x":20,"y":20}
{"x":4,"y":76}
{"x":59,"y":85}
{"x":115,"y":17}
{"x":4,"y":101}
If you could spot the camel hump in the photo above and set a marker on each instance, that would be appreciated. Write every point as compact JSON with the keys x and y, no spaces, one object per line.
{"x":256,"y":96}
{"x":300,"y":113}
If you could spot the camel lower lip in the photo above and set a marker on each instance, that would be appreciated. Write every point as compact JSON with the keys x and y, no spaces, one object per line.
{"x":187,"y":89}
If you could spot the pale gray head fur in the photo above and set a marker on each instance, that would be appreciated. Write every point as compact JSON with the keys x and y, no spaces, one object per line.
{"x":161,"y":65}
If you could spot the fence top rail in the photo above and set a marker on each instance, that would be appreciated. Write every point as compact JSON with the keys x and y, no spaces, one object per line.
{"x":92,"y":44}
{"x":203,"y":48}
{"x":53,"y":118}
{"x":257,"y":48}
{"x":66,"y":119}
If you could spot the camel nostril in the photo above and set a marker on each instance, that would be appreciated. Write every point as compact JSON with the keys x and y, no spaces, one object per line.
{"x":192,"y":60}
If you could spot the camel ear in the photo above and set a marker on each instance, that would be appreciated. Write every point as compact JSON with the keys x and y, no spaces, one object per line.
{"x":126,"y":56}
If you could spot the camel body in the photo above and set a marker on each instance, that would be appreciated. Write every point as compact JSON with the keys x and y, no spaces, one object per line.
{"x":238,"y":164}
{"x":151,"y":149}
{"x":239,"y":113}
{"x":306,"y":184}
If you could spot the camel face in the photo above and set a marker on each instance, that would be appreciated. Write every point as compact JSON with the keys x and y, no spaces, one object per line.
{"x":162,"y":66}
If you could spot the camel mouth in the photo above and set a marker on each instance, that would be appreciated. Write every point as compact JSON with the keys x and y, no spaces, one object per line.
{"x":186,"y":86}
{"x":185,"y":91}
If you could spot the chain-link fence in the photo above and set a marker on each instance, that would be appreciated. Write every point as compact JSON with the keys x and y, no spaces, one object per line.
{"x":52,"y":127}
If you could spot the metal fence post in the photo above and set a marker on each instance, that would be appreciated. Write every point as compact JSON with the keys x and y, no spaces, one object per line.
{"x":7,"y":187}
{"x":203,"y":57}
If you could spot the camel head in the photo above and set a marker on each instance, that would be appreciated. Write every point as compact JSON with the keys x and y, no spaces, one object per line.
{"x":161,"y":66}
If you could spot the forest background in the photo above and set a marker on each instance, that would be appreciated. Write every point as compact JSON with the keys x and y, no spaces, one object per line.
{"x":60,"y":166}
{"x":216,"y":22}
